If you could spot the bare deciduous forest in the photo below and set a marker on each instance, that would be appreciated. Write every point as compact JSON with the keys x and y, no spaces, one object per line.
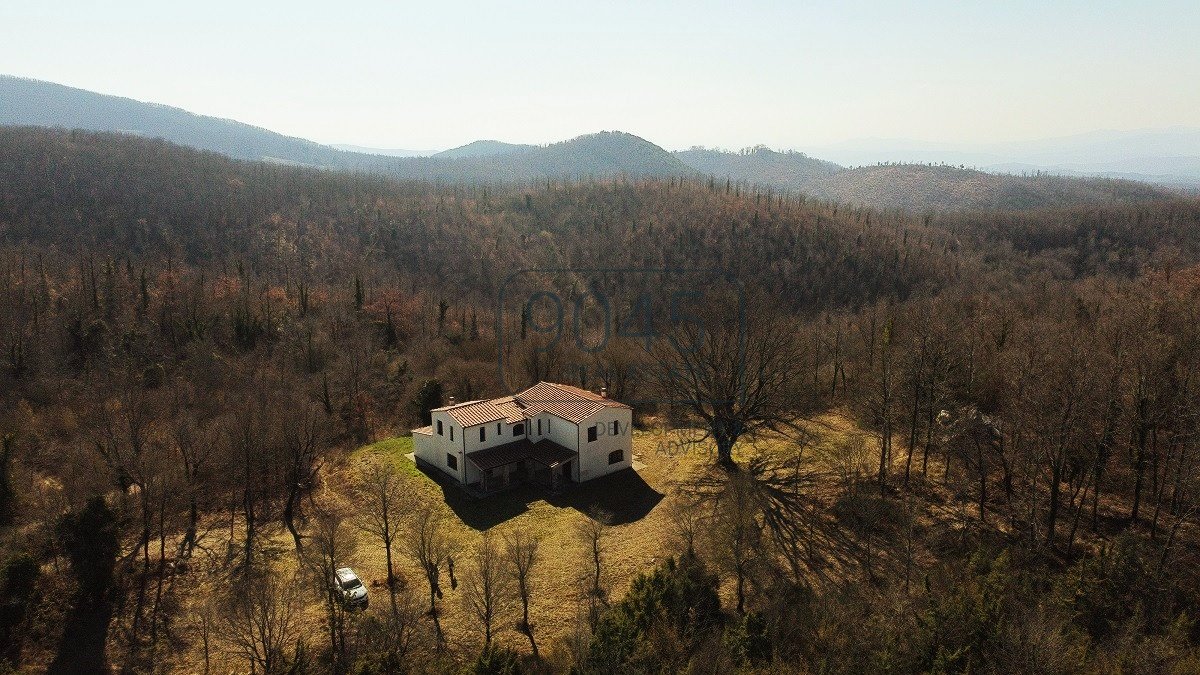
{"x":971,"y":444}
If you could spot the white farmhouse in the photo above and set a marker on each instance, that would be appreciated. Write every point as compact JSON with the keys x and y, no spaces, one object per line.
{"x":550,"y":433}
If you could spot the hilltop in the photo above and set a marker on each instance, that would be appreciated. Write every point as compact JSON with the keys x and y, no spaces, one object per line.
{"x":484,"y":148}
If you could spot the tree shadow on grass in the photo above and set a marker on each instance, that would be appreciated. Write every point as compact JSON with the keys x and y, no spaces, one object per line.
{"x":787,"y":494}
{"x":623,"y":496}
{"x":82,"y":647}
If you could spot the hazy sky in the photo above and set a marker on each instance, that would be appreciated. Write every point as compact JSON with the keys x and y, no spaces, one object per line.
{"x":438,"y":74}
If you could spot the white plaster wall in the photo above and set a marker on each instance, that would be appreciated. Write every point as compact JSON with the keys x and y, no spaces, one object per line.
{"x":423,"y":447}
{"x":561,"y":431}
{"x":593,"y":456}
{"x":492,"y":439}
{"x":442,"y":445}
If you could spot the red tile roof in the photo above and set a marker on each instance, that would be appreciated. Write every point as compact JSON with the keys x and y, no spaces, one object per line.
{"x":570,"y":403}
{"x":562,"y":400}
{"x":472,"y":413}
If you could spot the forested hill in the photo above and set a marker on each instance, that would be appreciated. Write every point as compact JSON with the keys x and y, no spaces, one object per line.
{"x":761,"y":165}
{"x":919,"y":187}
{"x":84,"y":192}
{"x":914,"y":187}
{"x":26,"y":102}
{"x":599,"y":155}
{"x":484,"y":148}
{"x":182,"y":335}
{"x":46,"y":104}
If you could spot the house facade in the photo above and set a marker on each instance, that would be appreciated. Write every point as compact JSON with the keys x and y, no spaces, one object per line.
{"x":549,"y":433}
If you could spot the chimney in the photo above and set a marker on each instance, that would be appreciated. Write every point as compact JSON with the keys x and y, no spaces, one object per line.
{"x":604,"y":391}
{"x":451,"y":400}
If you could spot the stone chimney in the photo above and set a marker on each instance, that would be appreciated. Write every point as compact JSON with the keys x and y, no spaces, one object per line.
{"x":451,"y":400}
{"x":604,"y":391}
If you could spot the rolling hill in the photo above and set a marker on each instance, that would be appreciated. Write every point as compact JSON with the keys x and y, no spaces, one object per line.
{"x":914,"y":186}
{"x":760,"y":165}
{"x":26,"y":102}
{"x":599,"y":155}
{"x":922,"y":187}
{"x":484,"y":148}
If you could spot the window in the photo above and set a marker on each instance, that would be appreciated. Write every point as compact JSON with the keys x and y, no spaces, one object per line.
{"x":452,"y":461}
{"x":616,"y":428}
{"x":539,"y":427}
{"x":591,"y":433}
{"x":498,"y":430}
{"x":518,"y":430}
{"x":440,"y":428}
{"x":482,"y":434}
{"x":451,"y":433}
{"x":616,"y":456}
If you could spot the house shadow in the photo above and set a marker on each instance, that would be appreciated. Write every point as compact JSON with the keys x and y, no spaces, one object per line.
{"x":622,"y":497}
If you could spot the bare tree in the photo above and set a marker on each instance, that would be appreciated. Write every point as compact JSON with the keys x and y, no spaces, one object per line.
{"x":387,"y":640}
{"x":303,"y":438}
{"x":735,"y":538}
{"x":521,"y":548}
{"x":259,"y":620}
{"x":248,"y":444}
{"x":593,"y":533}
{"x":381,"y":496}
{"x":686,"y":523}
{"x":487,"y":585}
{"x":737,"y":373}
{"x":331,"y":548}
{"x":190,"y":441}
{"x":430,"y":546}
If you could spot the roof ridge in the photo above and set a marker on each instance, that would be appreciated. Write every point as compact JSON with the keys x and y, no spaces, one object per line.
{"x":586,"y":394}
{"x":453,"y":406}
{"x":572,"y":389}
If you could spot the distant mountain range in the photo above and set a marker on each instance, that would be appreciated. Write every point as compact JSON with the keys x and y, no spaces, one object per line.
{"x":1167,"y":156}
{"x":386,"y":152}
{"x":44,"y":104}
{"x":27,"y":102}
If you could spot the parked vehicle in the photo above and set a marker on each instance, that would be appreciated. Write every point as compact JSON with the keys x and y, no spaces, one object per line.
{"x":350,"y":588}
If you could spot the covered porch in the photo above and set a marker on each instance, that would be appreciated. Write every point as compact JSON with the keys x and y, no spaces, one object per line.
{"x":512,"y":464}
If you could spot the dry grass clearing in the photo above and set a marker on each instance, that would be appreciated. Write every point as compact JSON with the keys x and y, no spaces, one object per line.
{"x":639,"y":535}
{"x":642,"y":510}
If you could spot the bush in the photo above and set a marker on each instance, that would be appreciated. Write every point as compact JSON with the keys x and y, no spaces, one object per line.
{"x":747,"y":641}
{"x":663,"y":620}
{"x":496,"y":661}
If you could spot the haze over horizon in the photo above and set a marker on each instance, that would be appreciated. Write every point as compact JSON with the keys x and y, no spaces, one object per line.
{"x":427,"y":78}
